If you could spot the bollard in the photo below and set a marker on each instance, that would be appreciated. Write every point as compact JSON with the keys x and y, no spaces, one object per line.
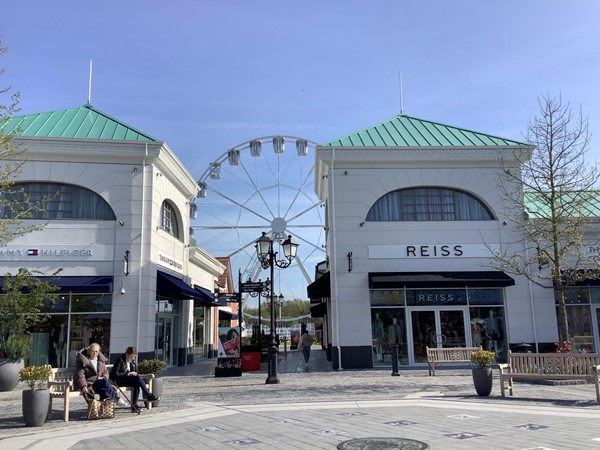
{"x":395,"y":360}
{"x":285,"y":346}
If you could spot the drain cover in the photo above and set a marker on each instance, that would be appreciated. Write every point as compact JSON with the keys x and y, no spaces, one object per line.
{"x":383,"y":444}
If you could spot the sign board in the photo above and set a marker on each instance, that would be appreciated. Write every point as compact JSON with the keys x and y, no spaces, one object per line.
{"x":229,"y":296}
{"x":253,"y":287}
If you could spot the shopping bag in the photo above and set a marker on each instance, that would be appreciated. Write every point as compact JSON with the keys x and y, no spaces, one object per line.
{"x":101,"y":409}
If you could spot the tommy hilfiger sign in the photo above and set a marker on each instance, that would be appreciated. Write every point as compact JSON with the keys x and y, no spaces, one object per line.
{"x":55,"y":252}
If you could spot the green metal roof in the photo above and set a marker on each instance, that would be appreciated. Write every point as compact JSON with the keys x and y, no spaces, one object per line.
{"x":73,"y":123}
{"x":406,"y":131}
{"x":572,"y":204}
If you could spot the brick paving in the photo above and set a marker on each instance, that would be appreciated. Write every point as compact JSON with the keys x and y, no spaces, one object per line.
{"x":320,"y":408}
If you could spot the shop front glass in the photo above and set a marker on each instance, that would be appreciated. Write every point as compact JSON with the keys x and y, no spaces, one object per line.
{"x":201,"y":328}
{"x":578,"y":303}
{"x":440,"y":318}
{"x":74,"y":321}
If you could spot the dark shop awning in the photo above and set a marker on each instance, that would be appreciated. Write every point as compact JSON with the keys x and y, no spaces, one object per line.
{"x":320,"y":288}
{"x":318,"y":310}
{"x":226,"y":315}
{"x":173,"y":287}
{"x":426,"y":280}
{"x":87,"y":284}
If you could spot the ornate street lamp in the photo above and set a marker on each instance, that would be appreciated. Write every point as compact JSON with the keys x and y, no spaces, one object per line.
{"x":268,"y":259}
{"x":265,"y":293}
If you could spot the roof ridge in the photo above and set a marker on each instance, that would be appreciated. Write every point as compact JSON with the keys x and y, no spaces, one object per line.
{"x":424,"y":133}
{"x":16,"y":121}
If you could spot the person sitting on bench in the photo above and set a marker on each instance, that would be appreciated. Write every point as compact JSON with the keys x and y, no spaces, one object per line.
{"x":91,"y":375}
{"x":124,"y":374}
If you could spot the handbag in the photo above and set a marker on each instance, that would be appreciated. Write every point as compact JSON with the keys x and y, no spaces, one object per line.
{"x":300,"y":345}
{"x":101,"y":409}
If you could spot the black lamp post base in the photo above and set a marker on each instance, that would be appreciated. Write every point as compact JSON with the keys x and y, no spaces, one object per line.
{"x":272,"y":380}
{"x":272,"y":377}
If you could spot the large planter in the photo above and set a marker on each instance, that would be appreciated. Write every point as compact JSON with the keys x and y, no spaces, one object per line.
{"x":157,"y":390}
{"x":482,"y":379}
{"x":9,"y":373}
{"x":35,"y":407}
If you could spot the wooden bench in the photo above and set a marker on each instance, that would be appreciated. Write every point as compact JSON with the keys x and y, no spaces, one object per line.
{"x":60,"y":386}
{"x":550,"y":366}
{"x":448,"y":355}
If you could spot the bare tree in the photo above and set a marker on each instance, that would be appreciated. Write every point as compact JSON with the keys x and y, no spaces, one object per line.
{"x":15,"y":204}
{"x":549,"y":196}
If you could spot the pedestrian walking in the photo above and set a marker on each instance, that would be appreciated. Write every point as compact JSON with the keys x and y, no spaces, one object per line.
{"x":306,"y":340}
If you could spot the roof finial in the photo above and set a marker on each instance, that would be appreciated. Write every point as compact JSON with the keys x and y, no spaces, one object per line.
{"x":401,"y":100}
{"x":89,"y":102}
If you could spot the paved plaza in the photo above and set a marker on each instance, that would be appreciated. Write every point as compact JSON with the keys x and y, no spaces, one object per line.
{"x":320,"y":409}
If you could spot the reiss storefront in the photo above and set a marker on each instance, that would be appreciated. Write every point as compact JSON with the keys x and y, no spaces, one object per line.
{"x":412,"y":212}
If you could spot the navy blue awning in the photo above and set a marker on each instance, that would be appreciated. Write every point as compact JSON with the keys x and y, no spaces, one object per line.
{"x":86,"y":284}
{"x":428,"y":280}
{"x":175,"y":288}
{"x":208,"y":298}
{"x":226,"y":315}
{"x":320,"y":288}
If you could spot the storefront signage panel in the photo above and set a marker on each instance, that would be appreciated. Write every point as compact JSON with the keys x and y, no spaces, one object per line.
{"x":56,"y":252}
{"x":420,"y":251}
{"x":170,"y":262}
{"x":387,"y":298}
{"x":436,"y":297}
{"x":485,"y":297}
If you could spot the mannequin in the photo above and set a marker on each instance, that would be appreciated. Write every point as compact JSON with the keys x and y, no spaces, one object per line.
{"x":378,"y":337}
{"x":476,"y":332}
{"x":492,"y":331}
{"x":395,"y":332}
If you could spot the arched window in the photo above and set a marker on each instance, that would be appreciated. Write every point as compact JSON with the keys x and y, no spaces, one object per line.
{"x":168,"y":218}
{"x":52,"y":201}
{"x":428,"y":204}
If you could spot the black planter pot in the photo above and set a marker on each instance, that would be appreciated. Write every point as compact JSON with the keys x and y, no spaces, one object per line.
{"x":9,"y":373}
{"x":482,"y":379}
{"x":35,"y":407}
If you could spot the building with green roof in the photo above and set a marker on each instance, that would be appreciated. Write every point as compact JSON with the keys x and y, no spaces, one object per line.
{"x":115,"y":205}
{"x":413,"y":214}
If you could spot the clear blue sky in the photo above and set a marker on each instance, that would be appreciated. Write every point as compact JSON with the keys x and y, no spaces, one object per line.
{"x":204,"y":76}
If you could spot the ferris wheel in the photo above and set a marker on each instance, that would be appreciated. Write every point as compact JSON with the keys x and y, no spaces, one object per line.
{"x":263,"y":185}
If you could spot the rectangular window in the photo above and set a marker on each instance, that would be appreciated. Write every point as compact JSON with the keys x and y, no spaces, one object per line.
{"x":580,"y":327}
{"x":388,"y":298}
{"x":436,"y":297}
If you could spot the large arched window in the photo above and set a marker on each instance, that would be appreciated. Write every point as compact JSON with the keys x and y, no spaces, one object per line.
{"x":428,"y":204}
{"x":51,"y":201}
{"x":168,"y":218}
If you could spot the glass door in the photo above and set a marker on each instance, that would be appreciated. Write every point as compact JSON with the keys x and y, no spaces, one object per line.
{"x":164,"y":344}
{"x":441,"y":328}
{"x":452,"y":328}
{"x":423,"y":333}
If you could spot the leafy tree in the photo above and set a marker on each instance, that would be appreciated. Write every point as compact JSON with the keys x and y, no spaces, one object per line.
{"x":554,"y":232}
{"x":15,"y":205}
{"x":22,"y":304}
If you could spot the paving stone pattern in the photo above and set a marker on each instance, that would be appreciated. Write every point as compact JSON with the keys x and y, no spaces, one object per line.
{"x":320,"y":409}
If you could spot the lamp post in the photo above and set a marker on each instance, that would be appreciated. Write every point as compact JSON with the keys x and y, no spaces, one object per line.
{"x":268,"y":259}
{"x":279,"y":303}
{"x":264,"y":293}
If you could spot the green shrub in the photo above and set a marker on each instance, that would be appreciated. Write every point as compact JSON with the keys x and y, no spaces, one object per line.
{"x":483,"y":358}
{"x":154,"y":366}
{"x":35,"y":376}
{"x":16,"y":346}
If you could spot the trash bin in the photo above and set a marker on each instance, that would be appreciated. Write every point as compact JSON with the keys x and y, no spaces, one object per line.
{"x":523,"y":348}
{"x":250,"y":357}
